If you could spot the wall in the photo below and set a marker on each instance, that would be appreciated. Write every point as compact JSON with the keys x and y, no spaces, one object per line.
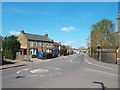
{"x":1,"y":58}
{"x":107,"y":57}
{"x":20,"y":57}
{"x":22,"y":39}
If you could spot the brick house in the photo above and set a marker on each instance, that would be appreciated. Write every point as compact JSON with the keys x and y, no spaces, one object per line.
{"x":56,"y":49}
{"x":32,"y":43}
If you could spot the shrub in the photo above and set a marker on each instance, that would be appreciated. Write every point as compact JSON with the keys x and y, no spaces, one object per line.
{"x":48,"y":55}
{"x":34,"y":56}
{"x":10,"y":47}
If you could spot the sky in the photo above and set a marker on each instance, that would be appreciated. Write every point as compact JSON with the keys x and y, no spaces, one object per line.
{"x":66,"y":22}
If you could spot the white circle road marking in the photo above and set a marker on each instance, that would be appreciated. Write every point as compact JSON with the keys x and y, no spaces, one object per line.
{"x":23,"y":70}
{"x":39,"y":71}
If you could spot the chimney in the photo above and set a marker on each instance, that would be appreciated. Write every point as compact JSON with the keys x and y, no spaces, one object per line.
{"x":21,"y":31}
{"x":46,"y":34}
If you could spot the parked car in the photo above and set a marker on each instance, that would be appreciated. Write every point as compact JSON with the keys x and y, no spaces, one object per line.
{"x":41,"y":55}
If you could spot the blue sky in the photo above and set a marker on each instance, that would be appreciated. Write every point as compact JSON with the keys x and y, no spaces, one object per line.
{"x":67,"y":22}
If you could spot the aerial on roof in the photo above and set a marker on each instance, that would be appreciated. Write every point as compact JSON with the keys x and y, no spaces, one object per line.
{"x":37,"y":37}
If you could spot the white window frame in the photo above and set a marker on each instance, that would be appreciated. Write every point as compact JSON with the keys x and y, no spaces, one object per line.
{"x":31,"y":43}
{"x":40,"y":44}
{"x":47,"y":44}
{"x":43,"y":44}
{"x":34,"y":43}
{"x":50,"y":44}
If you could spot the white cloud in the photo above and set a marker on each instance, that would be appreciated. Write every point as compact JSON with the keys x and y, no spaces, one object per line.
{"x":14,"y":33}
{"x":69,"y":42}
{"x":67,"y":28}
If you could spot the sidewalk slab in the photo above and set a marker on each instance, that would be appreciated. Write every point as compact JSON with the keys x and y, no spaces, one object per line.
{"x":93,"y":61}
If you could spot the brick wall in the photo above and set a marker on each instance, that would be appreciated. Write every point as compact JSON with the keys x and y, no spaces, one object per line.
{"x":107,"y":57}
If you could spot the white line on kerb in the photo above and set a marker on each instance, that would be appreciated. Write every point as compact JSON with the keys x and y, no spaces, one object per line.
{"x":100,"y":65}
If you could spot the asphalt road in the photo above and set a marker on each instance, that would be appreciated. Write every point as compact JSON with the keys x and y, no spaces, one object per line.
{"x":70,"y":72}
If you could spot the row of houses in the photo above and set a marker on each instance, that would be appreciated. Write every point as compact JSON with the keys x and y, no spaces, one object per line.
{"x":31,"y":44}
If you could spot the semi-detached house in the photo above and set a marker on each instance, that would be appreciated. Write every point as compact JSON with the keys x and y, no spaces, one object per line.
{"x":32,"y":43}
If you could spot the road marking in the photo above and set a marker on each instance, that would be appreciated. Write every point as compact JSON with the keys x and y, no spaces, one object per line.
{"x":52,"y":68}
{"x":23,"y":70}
{"x":78,"y":62}
{"x":39,"y":71}
{"x":50,"y":74}
{"x":57,"y":68}
{"x":71,"y":61}
{"x":99,"y":65}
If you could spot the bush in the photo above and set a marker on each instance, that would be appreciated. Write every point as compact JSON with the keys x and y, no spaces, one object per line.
{"x":34,"y":56}
{"x":10,"y":47}
{"x":48,"y":55}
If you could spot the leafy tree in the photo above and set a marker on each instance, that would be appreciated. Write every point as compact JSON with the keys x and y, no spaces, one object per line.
{"x":63,"y":50}
{"x":103,"y":33}
{"x":10,"y":47}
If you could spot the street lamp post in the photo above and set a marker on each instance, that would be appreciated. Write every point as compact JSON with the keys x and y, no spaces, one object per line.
{"x":100,"y":48}
{"x":90,"y":43}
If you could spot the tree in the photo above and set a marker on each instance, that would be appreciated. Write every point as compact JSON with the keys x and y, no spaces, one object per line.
{"x":63,"y":50}
{"x":103,"y":33}
{"x":10,"y":47}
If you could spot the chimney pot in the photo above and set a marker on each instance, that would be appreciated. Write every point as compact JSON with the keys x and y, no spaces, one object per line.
{"x":46,"y":34}
{"x":21,"y":31}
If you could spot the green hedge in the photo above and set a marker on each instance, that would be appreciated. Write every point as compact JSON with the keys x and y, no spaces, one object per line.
{"x":48,"y":55}
{"x":34,"y":56}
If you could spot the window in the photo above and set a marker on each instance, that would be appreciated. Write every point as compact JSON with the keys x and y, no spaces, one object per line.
{"x":47,"y":44}
{"x":31,"y":43}
{"x":43,"y":44}
{"x":48,"y":50}
{"x":40,"y":43}
{"x":35,"y":43}
{"x":50,"y":44}
{"x":33,"y":51}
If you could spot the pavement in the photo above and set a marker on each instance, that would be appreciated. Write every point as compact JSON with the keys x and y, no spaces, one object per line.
{"x":75,"y":71}
{"x":92,"y":61}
